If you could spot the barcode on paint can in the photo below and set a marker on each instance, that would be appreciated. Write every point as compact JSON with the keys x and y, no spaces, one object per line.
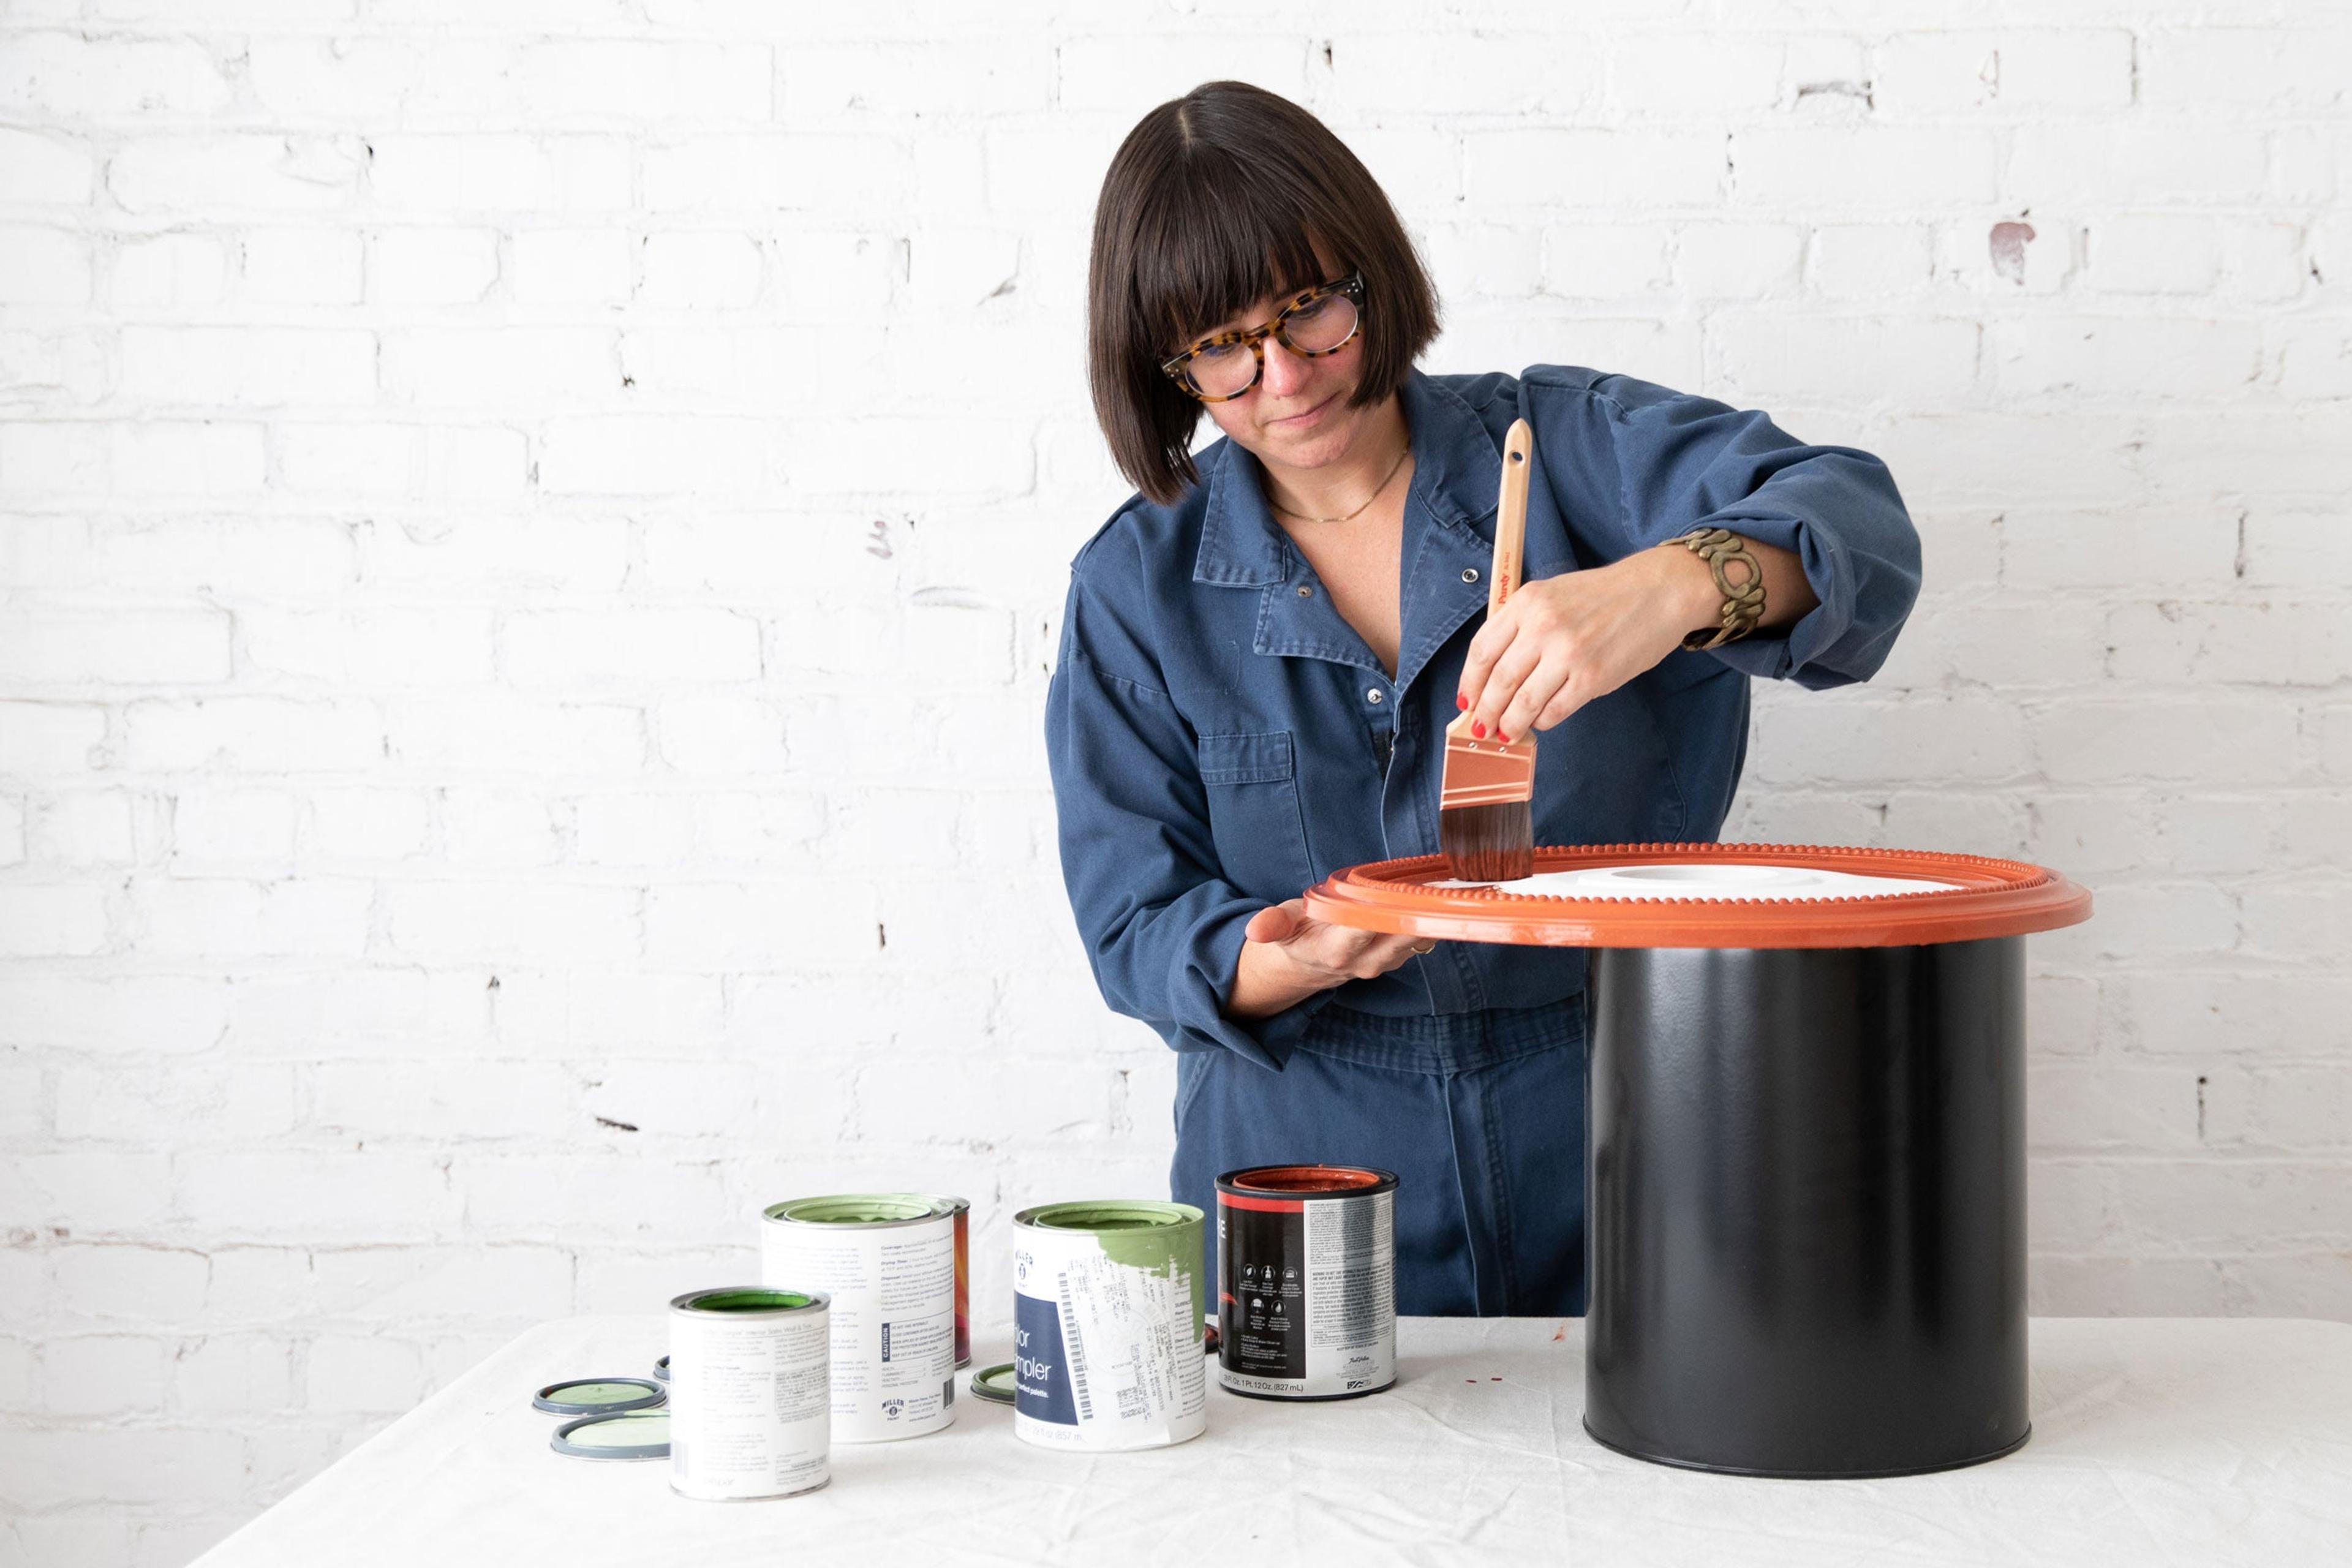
{"x":1073,"y":1350}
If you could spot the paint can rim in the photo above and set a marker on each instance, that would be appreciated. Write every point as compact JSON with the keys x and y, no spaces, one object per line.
{"x":1093,"y":1216}
{"x":750,"y":1301}
{"x":862,"y":1210}
{"x":550,"y":1398}
{"x":1308,"y":1181}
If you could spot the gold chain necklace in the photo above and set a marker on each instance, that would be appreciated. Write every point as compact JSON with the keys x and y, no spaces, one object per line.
{"x":1350,"y":517}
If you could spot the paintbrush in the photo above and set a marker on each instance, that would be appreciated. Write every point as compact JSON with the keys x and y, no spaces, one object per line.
{"x":1485,"y":823}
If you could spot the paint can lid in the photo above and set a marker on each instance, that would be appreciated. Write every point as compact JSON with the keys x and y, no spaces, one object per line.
{"x":993,"y":1384}
{"x":661,"y":1368}
{"x":1304,"y":1182}
{"x":598,"y":1395}
{"x":632,"y":1434}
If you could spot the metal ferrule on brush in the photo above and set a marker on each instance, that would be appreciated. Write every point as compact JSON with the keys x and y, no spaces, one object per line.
{"x":1487,"y":772}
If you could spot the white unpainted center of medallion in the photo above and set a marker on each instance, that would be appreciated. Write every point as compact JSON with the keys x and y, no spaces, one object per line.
{"x":1702,"y":879}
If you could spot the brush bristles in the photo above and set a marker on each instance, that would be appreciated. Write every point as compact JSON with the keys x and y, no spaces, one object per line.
{"x":1489,"y":842}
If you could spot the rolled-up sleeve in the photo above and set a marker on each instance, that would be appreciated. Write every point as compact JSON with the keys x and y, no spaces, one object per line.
{"x":1687,"y":462}
{"x":1162,"y":928}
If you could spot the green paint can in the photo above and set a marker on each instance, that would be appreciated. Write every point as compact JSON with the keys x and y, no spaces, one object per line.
{"x":888,"y":1262}
{"x":1107,"y":1307}
{"x":749,"y":1393}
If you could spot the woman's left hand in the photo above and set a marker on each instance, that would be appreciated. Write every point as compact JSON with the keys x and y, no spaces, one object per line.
{"x":1559,"y":643}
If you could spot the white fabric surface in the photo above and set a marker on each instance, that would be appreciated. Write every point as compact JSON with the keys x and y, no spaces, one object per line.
{"x":2192,"y":1441}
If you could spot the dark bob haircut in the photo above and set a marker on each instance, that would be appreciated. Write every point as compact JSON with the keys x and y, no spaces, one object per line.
{"x":1215,"y":200}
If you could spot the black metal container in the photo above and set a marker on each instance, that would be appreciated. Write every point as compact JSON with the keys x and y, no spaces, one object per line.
{"x":1807,"y":1224}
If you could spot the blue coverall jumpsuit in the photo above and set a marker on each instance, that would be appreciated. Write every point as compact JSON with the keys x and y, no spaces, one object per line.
{"x":1221,"y":739}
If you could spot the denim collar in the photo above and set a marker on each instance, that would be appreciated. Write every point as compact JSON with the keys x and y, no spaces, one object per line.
{"x":1457,"y":471}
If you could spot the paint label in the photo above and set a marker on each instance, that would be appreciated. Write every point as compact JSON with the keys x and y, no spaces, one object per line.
{"x":1105,"y":1355}
{"x":1041,"y":1366}
{"x":749,"y":1413}
{"x":1309,"y":1294}
{"x":962,"y":1283}
{"x":893,"y":1290}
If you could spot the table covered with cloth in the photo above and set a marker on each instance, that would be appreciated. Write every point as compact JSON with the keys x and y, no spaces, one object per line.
{"x":2154,"y":1441}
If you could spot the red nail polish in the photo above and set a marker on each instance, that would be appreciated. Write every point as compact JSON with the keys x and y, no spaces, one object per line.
{"x":1479,"y":730}
{"x":1462,"y":703}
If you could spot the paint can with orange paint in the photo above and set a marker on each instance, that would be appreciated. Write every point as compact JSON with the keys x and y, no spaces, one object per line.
{"x":1307,"y":1281}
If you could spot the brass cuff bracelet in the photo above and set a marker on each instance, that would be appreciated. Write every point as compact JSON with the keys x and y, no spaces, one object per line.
{"x":1743,"y":597}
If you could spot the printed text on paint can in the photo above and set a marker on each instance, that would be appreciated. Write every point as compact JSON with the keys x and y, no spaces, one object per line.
{"x":1107,"y":1356}
{"x":1309,"y":1295}
{"x":893,"y":1290}
{"x":748,"y":1415}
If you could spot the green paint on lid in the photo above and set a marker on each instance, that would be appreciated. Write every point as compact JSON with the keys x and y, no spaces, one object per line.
{"x":639,"y":1435}
{"x":598,"y":1395}
{"x":993,"y":1384}
{"x":599,"y":1392}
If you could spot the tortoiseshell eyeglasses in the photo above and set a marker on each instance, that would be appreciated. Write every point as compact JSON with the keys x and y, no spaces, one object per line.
{"x":1319,"y":320}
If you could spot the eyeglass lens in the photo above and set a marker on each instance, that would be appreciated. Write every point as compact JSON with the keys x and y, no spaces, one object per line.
{"x":1315,"y":328}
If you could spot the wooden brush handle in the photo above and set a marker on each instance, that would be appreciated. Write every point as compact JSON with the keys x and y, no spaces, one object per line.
{"x":1511,"y":514}
{"x":1510,"y":533}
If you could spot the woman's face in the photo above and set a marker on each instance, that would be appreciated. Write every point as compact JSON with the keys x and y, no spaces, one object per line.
{"x":1298,"y":415}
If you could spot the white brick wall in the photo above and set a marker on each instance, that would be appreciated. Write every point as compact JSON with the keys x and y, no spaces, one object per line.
{"x":520,"y":520}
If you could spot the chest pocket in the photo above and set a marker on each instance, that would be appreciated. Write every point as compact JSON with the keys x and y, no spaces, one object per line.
{"x":1254,"y":814}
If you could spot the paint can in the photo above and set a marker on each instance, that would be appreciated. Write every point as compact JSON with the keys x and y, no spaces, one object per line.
{"x":749,"y":1404}
{"x":1307,"y":1281}
{"x":888,"y":1262}
{"x":1107,"y":1326}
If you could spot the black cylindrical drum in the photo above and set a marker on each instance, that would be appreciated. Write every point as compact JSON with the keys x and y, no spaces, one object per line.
{"x":1807,"y":1224}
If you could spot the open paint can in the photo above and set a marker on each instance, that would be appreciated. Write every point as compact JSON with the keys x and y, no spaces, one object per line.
{"x":1307,"y":1281}
{"x":749,"y":1407}
{"x":1107,"y":1326}
{"x":888,"y":1261}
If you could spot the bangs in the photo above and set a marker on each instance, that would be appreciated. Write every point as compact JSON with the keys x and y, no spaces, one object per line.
{"x":1215,"y":243}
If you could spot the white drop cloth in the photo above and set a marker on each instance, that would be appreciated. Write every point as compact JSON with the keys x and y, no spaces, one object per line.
{"x":2189,"y":1441}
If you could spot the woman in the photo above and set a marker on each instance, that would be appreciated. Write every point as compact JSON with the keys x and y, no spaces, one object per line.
{"x":1261,"y":650}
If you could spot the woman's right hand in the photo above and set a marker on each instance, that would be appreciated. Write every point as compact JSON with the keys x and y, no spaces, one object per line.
{"x":1287,"y":957}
